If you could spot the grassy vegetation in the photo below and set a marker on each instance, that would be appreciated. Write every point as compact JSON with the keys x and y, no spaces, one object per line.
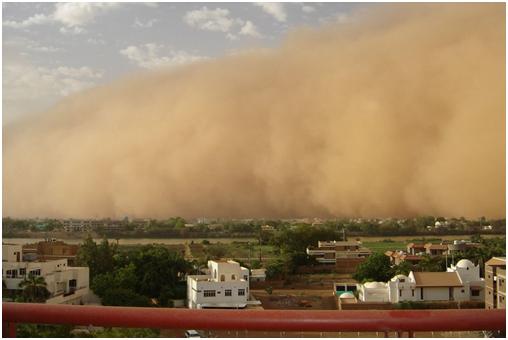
{"x":382,"y":246}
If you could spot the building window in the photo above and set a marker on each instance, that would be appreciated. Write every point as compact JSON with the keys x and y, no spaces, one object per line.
{"x":223,"y":277}
{"x":209,"y":293}
{"x":475,"y":292}
{"x":10,"y":274}
{"x":227,"y":292}
{"x":402,"y":280}
{"x":412,"y":292}
{"x":233,"y":277}
{"x":22,"y":271}
{"x":241,"y":292}
{"x":35,"y":272}
{"x":462,"y":290}
{"x":400,"y":292}
{"x":245,"y":277}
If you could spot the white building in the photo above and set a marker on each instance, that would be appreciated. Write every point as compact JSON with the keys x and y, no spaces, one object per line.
{"x":461,"y":282}
{"x":65,"y":284}
{"x":227,"y":286}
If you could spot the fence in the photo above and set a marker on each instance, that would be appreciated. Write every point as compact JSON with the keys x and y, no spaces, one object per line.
{"x":256,"y":320}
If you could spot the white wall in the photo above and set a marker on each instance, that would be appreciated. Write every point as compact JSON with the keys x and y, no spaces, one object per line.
{"x":233,"y":279}
{"x":436,"y":294}
{"x":9,"y":252}
{"x":56,"y":274}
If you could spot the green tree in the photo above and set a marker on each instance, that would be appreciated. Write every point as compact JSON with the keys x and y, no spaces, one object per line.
{"x":158,"y":267}
{"x":432,"y":264}
{"x":375,"y":268}
{"x":98,"y":258}
{"x":123,"y":297}
{"x":403,"y":268}
{"x":34,"y":289}
{"x":126,"y":333}
{"x":43,"y":331}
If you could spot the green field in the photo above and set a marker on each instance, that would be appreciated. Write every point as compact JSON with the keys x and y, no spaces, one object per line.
{"x":382,"y":246}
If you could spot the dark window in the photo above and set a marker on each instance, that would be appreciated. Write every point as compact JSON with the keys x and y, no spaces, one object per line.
{"x":412,"y":292}
{"x":400,"y":292}
{"x":35,"y":272}
{"x":209,"y":293}
{"x":73,"y":284}
{"x":475,"y":292}
{"x":227,"y":292}
{"x":22,"y":271}
{"x":241,"y":292}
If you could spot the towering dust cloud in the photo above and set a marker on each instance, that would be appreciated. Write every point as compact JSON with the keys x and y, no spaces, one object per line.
{"x":398,"y":112}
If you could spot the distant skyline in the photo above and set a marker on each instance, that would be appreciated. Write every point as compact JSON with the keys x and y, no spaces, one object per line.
{"x":51,"y":50}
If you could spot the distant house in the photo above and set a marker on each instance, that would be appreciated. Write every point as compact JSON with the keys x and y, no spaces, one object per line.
{"x":345,"y":255}
{"x":459,"y":283}
{"x":226,"y":286}
{"x":436,"y":249}
{"x":416,"y":248}
{"x":331,"y":251}
{"x":51,"y":249}
{"x":397,"y":257}
{"x":267,"y":227}
{"x":258,"y":275}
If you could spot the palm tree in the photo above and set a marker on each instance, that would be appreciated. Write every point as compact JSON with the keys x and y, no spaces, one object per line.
{"x":34,"y":289}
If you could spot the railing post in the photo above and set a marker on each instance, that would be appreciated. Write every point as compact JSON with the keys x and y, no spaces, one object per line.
{"x":12,"y":330}
{"x":8,"y":330}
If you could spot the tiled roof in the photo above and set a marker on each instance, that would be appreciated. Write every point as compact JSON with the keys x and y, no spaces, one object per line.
{"x":437,"y":279}
{"x":496,"y":261}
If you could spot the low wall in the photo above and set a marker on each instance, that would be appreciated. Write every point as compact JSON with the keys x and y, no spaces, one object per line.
{"x":413,"y":305}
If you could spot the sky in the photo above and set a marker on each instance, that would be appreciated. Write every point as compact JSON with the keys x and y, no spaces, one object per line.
{"x":51,"y":50}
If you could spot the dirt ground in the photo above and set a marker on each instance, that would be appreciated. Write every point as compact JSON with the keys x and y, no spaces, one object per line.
{"x":302,"y":299}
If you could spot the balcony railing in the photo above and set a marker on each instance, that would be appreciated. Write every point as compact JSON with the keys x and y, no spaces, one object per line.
{"x":254,"y":320}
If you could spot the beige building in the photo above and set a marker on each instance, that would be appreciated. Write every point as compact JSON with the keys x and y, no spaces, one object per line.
{"x":50,"y":249}
{"x":495,"y":283}
{"x":333,"y":251}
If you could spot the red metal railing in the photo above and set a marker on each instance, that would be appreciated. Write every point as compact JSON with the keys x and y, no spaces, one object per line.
{"x":257,"y":320}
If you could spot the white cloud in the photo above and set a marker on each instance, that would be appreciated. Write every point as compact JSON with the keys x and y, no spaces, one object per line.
{"x":250,"y":29}
{"x":70,"y":14}
{"x":28,"y":87}
{"x":72,"y":30}
{"x":31,"y":45}
{"x":209,"y":20}
{"x":231,"y":36}
{"x":308,"y":9}
{"x":95,"y":41}
{"x":153,"y":56}
{"x":219,"y":20}
{"x":37,"y":19}
{"x":79,"y":13}
{"x":276,"y":10}
{"x":148,"y":24}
